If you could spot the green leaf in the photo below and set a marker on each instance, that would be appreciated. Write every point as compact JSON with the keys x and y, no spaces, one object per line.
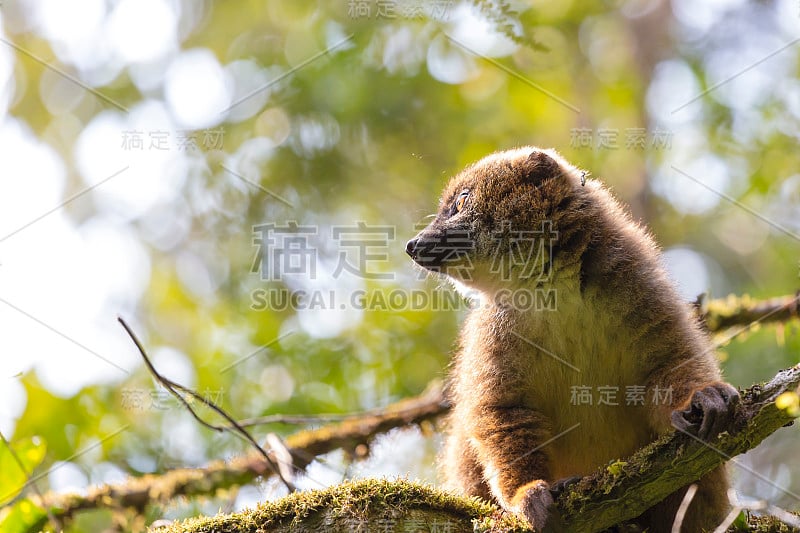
{"x":23,"y":517}
{"x":740,"y":524}
{"x":17,"y":470}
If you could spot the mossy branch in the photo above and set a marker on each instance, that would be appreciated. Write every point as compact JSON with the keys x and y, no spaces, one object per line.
{"x":365,"y":505}
{"x":353,"y":434}
{"x":616,"y":493}
{"x":385,"y":506}
{"x":625,"y":489}
{"x":747,"y":312}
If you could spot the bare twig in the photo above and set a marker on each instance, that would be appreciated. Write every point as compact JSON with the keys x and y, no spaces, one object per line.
{"x":176,"y":389}
{"x":353,"y":436}
{"x":681,"y":514}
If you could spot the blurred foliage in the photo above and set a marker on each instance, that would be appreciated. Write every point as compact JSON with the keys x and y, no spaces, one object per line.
{"x":370,"y":131}
{"x":17,"y":464}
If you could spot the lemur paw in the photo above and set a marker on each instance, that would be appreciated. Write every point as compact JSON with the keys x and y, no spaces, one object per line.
{"x":562,"y":485}
{"x":708,"y":412}
{"x":534,"y":501}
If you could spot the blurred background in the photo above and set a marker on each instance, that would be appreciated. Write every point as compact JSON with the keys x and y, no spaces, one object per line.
{"x":183,"y":163}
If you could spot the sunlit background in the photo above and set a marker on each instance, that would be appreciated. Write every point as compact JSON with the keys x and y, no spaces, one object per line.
{"x":142,"y":140}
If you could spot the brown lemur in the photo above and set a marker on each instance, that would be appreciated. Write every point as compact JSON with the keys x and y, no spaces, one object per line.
{"x":619,"y":326}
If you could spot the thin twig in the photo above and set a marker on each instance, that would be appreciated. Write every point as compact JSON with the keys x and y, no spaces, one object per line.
{"x":234,"y":427}
{"x":685,"y":503}
{"x":352,"y":436}
{"x":728,"y":520}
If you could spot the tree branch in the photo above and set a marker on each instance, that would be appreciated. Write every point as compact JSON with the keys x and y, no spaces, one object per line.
{"x":612,"y":495}
{"x":382,"y":505}
{"x":726,"y":313}
{"x":364,"y":505}
{"x":353,"y":434}
{"x":618,"y":492}
{"x":625,"y":489}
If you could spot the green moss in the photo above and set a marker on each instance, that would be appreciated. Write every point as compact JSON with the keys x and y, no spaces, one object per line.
{"x":766,"y":524}
{"x":720,"y":311}
{"x":360,"y":502}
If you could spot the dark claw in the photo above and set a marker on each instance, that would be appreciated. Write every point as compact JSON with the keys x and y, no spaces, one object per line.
{"x":562,"y":485}
{"x":709,"y":412}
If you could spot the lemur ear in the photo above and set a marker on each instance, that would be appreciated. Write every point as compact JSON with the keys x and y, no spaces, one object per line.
{"x":539,"y":167}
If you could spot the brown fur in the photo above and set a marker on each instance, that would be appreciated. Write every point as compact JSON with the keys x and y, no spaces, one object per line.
{"x":618,"y":320}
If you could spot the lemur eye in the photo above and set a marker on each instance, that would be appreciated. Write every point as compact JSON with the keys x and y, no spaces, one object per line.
{"x":461,"y":200}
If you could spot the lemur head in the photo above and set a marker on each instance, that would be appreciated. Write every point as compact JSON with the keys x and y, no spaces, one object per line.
{"x":499,"y":219}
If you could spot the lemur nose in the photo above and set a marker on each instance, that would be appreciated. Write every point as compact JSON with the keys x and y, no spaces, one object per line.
{"x":411,"y":247}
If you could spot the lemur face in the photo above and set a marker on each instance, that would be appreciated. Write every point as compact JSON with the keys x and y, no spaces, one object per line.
{"x":495,"y":220}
